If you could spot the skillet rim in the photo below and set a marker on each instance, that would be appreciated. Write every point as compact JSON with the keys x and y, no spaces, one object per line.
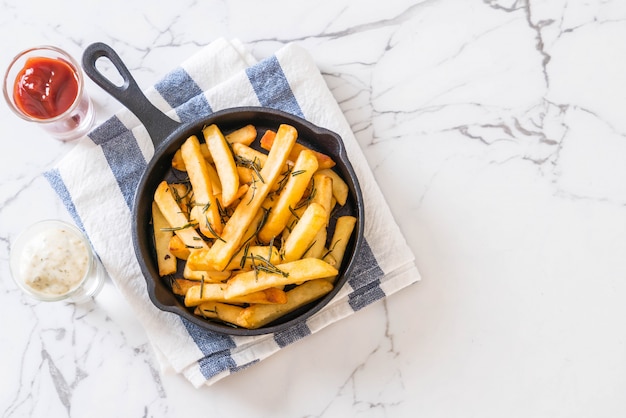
{"x":161,"y":161}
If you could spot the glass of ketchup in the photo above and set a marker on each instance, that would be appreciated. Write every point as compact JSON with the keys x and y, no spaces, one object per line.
{"x":45,"y":85}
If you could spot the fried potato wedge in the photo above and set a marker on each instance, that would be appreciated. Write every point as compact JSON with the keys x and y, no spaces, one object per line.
{"x":179,"y":223}
{"x":178,"y":247}
{"x":303,"y":234}
{"x":257,"y":315}
{"x":166,"y":260}
{"x":224,"y":163}
{"x":220,"y":311}
{"x":294,"y":189}
{"x":295,"y":272}
{"x":344,"y":227}
{"x":204,"y":211}
{"x":198,"y":294}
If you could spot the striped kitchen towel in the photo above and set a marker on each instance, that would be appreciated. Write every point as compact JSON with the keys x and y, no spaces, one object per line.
{"x":98,"y":177}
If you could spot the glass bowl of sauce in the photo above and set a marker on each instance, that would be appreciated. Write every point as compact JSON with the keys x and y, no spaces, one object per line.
{"x":45,"y":85}
{"x":52,"y":261}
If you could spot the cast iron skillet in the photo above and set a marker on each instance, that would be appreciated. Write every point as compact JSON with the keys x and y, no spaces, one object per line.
{"x":167,"y":136}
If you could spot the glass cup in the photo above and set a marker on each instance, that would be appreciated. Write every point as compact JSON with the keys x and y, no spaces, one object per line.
{"x":52,"y":261}
{"x":72,"y":123}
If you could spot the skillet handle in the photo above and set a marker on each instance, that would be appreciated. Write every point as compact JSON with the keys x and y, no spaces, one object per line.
{"x":157,"y":123}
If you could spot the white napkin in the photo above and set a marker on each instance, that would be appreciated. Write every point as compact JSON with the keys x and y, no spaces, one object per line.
{"x":97,"y":179}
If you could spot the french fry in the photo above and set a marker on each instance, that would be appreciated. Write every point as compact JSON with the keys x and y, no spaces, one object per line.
{"x":205,"y":211}
{"x":243,"y":189}
{"x":344,"y":226}
{"x":220,"y":311}
{"x":256,"y":316}
{"x":178,"y":247}
{"x":179,"y":164}
{"x":198,"y":294}
{"x":324,"y":161}
{"x":318,"y":246}
{"x":340,"y":188}
{"x":180,"y":286}
{"x":223,"y":249}
{"x":249,"y":156}
{"x":182,"y":195}
{"x":303,"y":234}
{"x":176,"y":218}
{"x":210,"y":276}
{"x":224,"y":163}
{"x":303,"y":170}
{"x":166,"y":261}
{"x":245,"y":135}
{"x":284,"y":274}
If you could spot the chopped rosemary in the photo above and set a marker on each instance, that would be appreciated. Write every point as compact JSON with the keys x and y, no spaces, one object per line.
{"x":254,"y":165}
{"x":330,"y":250}
{"x":178,"y":228}
{"x":211,"y":230}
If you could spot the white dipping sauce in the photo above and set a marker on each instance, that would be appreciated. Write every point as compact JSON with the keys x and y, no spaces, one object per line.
{"x":54,"y":261}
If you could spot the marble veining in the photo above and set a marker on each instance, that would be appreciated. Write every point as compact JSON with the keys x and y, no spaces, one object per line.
{"x":495,"y":130}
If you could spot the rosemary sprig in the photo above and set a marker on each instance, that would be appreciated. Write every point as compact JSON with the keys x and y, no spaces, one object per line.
{"x":330,"y":250}
{"x":254,"y":165}
{"x":179,"y":228}
{"x":211,"y":230}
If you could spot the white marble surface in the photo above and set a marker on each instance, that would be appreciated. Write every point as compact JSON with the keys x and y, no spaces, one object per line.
{"x":495,"y":129}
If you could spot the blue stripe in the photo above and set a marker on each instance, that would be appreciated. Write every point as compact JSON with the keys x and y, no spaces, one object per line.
{"x":292,"y":334}
{"x":365,"y":279}
{"x":208,"y":342}
{"x":123,"y":155}
{"x":216,"y":363}
{"x":54,"y":178}
{"x":194,"y":109}
{"x":177,"y":87}
{"x":272,"y":88}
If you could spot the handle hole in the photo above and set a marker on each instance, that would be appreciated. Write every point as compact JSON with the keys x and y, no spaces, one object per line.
{"x":108,"y":70}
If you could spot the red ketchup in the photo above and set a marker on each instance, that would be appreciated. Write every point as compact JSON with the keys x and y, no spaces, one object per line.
{"x":45,"y":87}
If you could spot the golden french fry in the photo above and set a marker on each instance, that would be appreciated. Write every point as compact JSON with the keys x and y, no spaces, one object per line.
{"x":256,"y":316}
{"x":341,"y":236}
{"x":340,"y":188}
{"x":302,"y":235}
{"x":180,"y":286}
{"x":220,"y":311}
{"x":201,"y":293}
{"x":224,"y":248}
{"x":178,"y":247}
{"x":303,"y":170}
{"x":245,"y":135}
{"x":243,"y":189}
{"x":179,"y":164}
{"x":210,"y":276}
{"x":317,"y":249}
{"x":293,"y":272}
{"x":166,"y":261}
{"x":205,"y":211}
{"x":179,"y":223}
{"x":323,"y":193}
{"x":324,"y":161}
{"x":182,"y":195}
{"x":248,"y":156}
{"x":224,"y":162}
